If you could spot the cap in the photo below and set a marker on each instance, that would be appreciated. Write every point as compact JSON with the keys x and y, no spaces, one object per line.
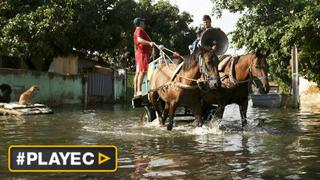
{"x":137,"y":21}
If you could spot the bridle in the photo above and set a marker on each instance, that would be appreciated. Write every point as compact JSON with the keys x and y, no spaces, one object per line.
{"x":251,"y":77}
{"x":204,"y":70}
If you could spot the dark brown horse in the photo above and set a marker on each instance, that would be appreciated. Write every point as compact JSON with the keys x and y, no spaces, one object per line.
{"x":183,"y":89}
{"x":249,"y":68}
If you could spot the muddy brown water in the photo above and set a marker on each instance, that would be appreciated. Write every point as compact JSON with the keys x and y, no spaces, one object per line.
{"x":276,"y":144}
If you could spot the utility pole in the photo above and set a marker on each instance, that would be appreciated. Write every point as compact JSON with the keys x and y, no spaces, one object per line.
{"x":295,"y":77}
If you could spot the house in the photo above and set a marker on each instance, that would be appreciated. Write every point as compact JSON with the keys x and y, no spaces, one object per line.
{"x":103,"y":84}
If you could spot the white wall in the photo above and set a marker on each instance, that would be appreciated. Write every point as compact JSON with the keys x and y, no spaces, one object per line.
{"x":309,"y":95}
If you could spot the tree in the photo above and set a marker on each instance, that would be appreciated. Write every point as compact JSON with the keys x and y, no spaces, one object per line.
{"x":37,"y":31}
{"x":279,"y":25}
{"x":167,"y":25}
{"x":44,"y":29}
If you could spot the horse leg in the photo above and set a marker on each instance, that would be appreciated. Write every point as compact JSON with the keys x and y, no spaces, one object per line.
{"x":243,"y":112}
{"x":172,"y":109}
{"x":165,"y":113}
{"x":197,"y":114}
{"x":220,"y":111}
{"x":158,"y":112}
{"x":153,"y":98}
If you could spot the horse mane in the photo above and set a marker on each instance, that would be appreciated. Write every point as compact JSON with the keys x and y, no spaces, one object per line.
{"x":191,"y":60}
{"x":251,"y":53}
{"x":246,"y":58}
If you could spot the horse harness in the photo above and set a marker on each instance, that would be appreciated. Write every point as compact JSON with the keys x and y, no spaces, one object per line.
{"x":232,"y":74}
{"x":203,"y":70}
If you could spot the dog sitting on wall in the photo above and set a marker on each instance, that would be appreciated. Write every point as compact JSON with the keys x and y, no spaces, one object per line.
{"x":5,"y":93}
{"x":26,"y":97}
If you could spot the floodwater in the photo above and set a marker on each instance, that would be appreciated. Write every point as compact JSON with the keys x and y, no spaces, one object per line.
{"x":276,"y":144}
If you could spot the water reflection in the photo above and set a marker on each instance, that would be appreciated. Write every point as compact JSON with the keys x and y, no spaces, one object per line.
{"x":277,"y":144}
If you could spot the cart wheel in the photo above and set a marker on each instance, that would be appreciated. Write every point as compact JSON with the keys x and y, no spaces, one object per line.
{"x":148,"y":114}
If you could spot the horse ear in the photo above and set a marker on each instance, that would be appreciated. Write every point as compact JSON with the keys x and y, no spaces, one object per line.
{"x":258,"y":51}
{"x":200,"y":48}
{"x":264,"y":52}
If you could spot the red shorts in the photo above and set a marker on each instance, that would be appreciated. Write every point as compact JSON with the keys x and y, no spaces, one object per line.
{"x":141,"y":61}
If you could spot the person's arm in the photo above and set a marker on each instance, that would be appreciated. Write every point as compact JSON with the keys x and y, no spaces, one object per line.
{"x":145,"y":42}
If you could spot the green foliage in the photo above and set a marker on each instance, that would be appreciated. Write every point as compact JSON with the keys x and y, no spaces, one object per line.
{"x":279,"y":25}
{"x":43,"y":29}
{"x":164,"y":24}
{"x":167,"y":26}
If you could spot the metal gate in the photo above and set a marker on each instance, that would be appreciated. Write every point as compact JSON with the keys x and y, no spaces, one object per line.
{"x":100,"y":84}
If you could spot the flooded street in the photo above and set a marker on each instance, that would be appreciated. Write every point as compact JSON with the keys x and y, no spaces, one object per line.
{"x":276,"y":144}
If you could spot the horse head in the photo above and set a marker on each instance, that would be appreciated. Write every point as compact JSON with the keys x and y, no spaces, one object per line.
{"x":208,"y":62}
{"x":259,"y":70}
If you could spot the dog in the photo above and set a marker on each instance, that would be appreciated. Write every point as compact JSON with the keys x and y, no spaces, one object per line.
{"x":5,"y":93}
{"x":26,"y":97}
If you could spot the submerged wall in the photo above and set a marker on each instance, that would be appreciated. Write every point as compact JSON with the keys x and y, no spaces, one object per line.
{"x":54,"y":88}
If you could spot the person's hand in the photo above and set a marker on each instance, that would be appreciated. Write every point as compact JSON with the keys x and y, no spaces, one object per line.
{"x":175,"y":54}
{"x":151,"y":44}
{"x":214,"y":47}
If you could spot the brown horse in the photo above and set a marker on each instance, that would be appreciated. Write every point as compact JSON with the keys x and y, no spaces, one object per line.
{"x":249,"y":68}
{"x":183,"y":89}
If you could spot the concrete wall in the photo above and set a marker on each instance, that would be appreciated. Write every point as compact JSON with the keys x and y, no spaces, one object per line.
{"x":54,"y":88}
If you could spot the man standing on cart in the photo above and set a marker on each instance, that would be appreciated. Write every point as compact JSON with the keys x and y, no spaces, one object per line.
{"x":143,"y":49}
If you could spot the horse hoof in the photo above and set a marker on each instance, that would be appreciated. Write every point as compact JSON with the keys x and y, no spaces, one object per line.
{"x":196,"y":124}
{"x":162,"y":123}
{"x":169,"y":127}
{"x":223,"y":128}
{"x":200,"y":124}
{"x":244,"y":123}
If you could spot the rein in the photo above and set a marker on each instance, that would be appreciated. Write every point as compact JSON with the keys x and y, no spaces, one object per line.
{"x":178,"y":84}
{"x":176,"y":73}
{"x":162,"y":48}
{"x":251,"y":79}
